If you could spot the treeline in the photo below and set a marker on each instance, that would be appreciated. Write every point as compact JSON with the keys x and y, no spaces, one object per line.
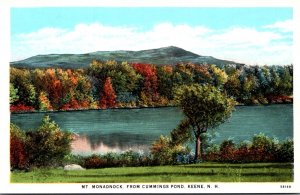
{"x":120,"y":84}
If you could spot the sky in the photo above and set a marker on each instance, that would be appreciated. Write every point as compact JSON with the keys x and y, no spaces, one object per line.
{"x":246,"y":35}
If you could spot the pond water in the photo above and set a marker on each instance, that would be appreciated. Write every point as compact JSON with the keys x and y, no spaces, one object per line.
{"x":118,"y":130}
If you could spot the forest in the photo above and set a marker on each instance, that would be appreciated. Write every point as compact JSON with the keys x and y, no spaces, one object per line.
{"x":112,"y":84}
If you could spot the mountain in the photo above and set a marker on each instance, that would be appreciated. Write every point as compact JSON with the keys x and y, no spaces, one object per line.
{"x":162,"y":56}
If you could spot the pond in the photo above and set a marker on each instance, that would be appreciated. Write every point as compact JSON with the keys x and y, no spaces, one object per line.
{"x":116,"y":130}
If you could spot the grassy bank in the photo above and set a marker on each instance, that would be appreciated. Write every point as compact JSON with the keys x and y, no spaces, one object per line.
{"x":204,"y":172}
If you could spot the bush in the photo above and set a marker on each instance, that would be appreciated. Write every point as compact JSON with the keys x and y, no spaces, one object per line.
{"x":227,"y":151}
{"x":212,"y":153}
{"x":94,"y":162}
{"x":48,"y":145}
{"x":185,"y":158}
{"x":18,"y":154}
{"x":163,"y":152}
{"x":242,"y":153}
{"x":113,"y":159}
{"x":130,"y":158}
{"x":285,"y":152}
{"x":73,"y":159}
{"x":263,"y":149}
{"x":125,"y":159}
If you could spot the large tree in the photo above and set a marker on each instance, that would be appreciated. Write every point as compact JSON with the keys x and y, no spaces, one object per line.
{"x":204,"y":107}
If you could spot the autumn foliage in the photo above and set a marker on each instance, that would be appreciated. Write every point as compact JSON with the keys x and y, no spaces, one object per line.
{"x":150,"y":79}
{"x":72,"y":105}
{"x":18,"y":154}
{"x":44,"y":103}
{"x":45,"y":146}
{"x":142,"y":85}
{"x":261,"y":149}
{"x":21,"y":107}
{"x":49,"y":89}
{"x":108,"y":95}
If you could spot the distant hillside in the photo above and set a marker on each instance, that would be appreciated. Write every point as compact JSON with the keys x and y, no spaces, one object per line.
{"x":161,"y":56}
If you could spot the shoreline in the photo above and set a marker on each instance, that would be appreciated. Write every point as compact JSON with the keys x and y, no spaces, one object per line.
{"x":130,"y":108}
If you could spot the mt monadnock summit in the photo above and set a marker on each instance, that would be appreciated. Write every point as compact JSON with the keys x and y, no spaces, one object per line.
{"x":162,"y":56}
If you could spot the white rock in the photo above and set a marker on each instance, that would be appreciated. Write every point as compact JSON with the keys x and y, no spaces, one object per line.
{"x":73,"y":167}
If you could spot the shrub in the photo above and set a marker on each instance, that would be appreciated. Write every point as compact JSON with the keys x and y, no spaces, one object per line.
{"x":48,"y":145}
{"x":242,"y":153}
{"x":263,"y":149}
{"x":73,"y":159}
{"x":285,"y":152}
{"x":125,"y":159}
{"x":112,"y":158}
{"x":18,"y":154}
{"x":130,"y":158}
{"x":163,"y":152}
{"x":94,"y":162}
{"x":212,"y":153}
{"x":185,"y":158}
{"x":227,"y":151}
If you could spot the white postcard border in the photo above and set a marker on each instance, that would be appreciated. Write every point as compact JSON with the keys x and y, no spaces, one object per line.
{"x":7,"y":187}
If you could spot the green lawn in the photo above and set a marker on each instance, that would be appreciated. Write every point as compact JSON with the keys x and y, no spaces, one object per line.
{"x":204,"y":172}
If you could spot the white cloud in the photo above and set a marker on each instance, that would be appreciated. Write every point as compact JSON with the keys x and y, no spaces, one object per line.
{"x":283,"y":26}
{"x":246,"y":45}
{"x":244,"y":37}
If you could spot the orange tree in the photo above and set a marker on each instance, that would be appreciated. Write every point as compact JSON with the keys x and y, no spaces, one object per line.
{"x":18,"y":155}
{"x":108,"y":95}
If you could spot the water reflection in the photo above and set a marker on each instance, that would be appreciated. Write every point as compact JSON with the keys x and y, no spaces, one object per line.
{"x":98,"y":144}
{"x":123,"y":129}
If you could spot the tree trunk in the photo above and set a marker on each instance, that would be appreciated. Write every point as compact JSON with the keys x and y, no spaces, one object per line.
{"x":198,"y":149}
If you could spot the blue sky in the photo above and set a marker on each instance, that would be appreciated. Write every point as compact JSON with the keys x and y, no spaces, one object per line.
{"x":227,"y":33}
{"x":32,"y":19}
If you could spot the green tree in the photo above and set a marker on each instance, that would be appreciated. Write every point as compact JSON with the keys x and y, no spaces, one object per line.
{"x":48,"y":145}
{"x":286,"y":85}
{"x":183,"y":74}
{"x":233,"y":85}
{"x":204,"y":107}
{"x":181,"y":133}
{"x":13,"y":94}
{"x":248,"y":88}
{"x":31,"y":94}
{"x":275,"y":82}
{"x":21,"y":80}
{"x":165,"y":84}
{"x":123,"y":76}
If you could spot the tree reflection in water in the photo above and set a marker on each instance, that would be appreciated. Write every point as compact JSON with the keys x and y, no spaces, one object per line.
{"x":115,"y":142}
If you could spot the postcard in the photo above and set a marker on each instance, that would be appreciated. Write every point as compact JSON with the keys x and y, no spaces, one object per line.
{"x":140,"y":96}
